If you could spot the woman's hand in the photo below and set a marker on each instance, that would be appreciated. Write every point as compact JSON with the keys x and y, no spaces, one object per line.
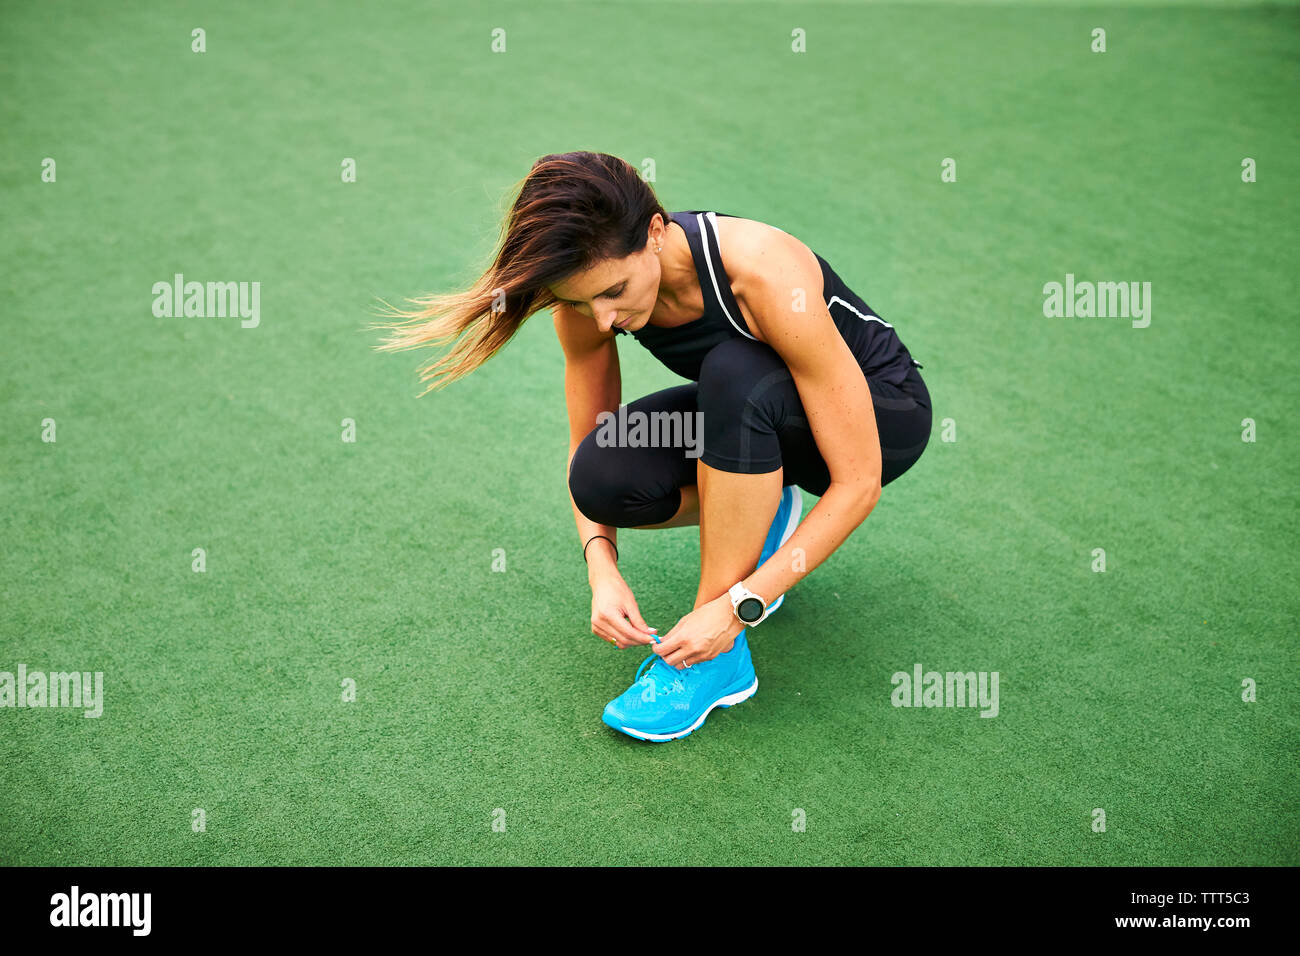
{"x":614,"y":614}
{"x":711,"y":629}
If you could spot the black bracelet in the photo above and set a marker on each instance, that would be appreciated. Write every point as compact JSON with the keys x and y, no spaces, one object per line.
{"x":593,"y":538}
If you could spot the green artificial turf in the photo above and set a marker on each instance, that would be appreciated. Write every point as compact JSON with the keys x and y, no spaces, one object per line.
{"x":372,"y":561}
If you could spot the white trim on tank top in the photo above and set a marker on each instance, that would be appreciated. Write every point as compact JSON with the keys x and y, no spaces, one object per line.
{"x":708,"y":260}
{"x":849,"y":306}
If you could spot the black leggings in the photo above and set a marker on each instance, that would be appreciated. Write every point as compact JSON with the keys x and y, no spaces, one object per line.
{"x":752,"y":423}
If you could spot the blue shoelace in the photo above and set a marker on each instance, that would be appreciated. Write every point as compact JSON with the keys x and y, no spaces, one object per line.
{"x":665,"y":677}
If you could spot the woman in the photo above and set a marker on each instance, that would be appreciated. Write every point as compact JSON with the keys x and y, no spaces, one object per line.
{"x":794,"y":381}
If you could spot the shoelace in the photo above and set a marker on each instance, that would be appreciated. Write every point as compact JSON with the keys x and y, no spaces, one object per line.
{"x":665,"y":677}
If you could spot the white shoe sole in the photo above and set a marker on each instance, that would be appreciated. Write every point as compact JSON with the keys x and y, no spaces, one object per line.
{"x":727,"y":701}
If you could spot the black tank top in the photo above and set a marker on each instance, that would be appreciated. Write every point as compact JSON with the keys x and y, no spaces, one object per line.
{"x":682,"y":348}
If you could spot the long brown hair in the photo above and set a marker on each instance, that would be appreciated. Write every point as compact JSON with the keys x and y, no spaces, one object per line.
{"x":572,"y":211}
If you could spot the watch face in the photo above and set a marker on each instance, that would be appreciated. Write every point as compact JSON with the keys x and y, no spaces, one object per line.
{"x":749,"y":610}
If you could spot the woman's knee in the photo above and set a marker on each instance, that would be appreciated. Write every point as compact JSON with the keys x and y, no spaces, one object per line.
{"x":595,"y":482}
{"x":739,"y":372}
{"x":624,"y":487}
{"x":747,"y":396}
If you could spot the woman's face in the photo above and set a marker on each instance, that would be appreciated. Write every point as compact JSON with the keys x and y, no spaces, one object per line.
{"x":617,"y":292}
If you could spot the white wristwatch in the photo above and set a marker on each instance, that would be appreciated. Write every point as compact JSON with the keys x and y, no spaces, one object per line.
{"x":748,"y":606}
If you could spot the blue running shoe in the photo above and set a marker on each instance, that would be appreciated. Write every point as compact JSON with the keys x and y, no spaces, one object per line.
{"x":665,"y":703}
{"x":788,"y":513}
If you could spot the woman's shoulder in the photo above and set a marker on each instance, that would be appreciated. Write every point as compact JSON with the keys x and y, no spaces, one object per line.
{"x":755,"y":255}
{"x":731,"y":224}
{"x":749,"y":246}
{"x":742,"y":231}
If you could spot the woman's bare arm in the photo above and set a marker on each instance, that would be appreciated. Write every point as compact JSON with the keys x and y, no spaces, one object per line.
{"x":768,"y":268}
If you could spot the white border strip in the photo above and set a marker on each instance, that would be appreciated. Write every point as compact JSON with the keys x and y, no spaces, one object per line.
{"x":708,"y":260}
{"x":849,"y":306}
